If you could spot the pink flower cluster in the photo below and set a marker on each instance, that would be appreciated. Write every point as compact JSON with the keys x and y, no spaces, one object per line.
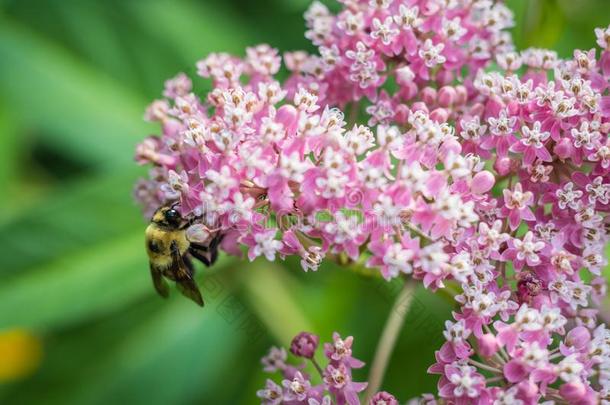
{"x":401,"y":55}
{"x":530,"y":273}
{"x":292,"y":180}
{"x":278,"y":170}
{"x":336,"y":387}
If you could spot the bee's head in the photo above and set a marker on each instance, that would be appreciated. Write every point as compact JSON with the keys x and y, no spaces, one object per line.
{"x":167,"y":217}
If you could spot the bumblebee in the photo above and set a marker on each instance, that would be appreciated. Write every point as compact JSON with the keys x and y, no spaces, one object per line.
{"x":169,"y":252}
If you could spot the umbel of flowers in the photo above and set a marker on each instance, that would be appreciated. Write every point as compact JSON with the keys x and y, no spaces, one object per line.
{"x":494,"y":180}
{"x":336,"y":385}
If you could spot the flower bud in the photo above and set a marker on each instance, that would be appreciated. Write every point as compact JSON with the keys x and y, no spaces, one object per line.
{"x":304,"y":345}
{"x":287,"y":116}
{"x":428,"y":95}
{"x":488,"y":345}
{"x":446,"y":96}
{"x":502,"y":166}
{"x":573,"y":391}
{"x":404,"y":75}
{"x":444,"y":77}
{"x":383,"y":398}
{"x":461,"y":94}
{"x":419,"y":106}
{"x":439,"y":115}
{"x":482,"y":182}
{"x":578,"y":337}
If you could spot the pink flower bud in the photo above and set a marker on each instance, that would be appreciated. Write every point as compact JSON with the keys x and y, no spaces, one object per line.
{"x":502,"y":166}
{"x":488,"y":345}
{"x":404,"y":75}
{"x":578,"y":337}
{"x":419,"y":106}
{"x":564,"y":148}
{"x":304,"y":345}
{"x":573,"y":391}
{"x":428,"y":95}
{"x":383,"y":398}
{"x":409,"y":90}
{"x":444,"y":77}
{"x":482,"y":182}
{"x":287,"y":116}
{"x":446,"y":96}
{"x":461,"y":94}
{"x":439,"y":115}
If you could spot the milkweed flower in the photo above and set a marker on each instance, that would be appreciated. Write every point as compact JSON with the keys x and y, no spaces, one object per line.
{"x":492,"y":178}
{"x":336,"y":377}
{"x":265,"y":170}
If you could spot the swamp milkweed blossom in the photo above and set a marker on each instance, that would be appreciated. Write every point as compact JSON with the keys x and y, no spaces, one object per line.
{"x":495,"y":181}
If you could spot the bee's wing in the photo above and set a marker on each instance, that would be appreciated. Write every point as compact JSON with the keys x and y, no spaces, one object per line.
{"x":159,"y":281}
{"x":183,"y":275}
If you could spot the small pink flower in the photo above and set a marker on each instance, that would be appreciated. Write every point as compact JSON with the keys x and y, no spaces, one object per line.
{"x":296,"y":389}
{"x":272,"y":394}
{"x":524,"y":251}
{"x":275,"y":360}
{"x":532,"y":144}
{"x":517,"y":204}
{"x":340,"y":350}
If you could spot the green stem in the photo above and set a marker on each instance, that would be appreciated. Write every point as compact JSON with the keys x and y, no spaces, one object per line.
{"x":317,"y":366}
{"x":484,"y":366}
{"x":388,"y":338}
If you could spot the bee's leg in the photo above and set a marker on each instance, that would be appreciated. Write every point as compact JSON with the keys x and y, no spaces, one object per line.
{"x":200,"y":253}
{"x":216,"y":241}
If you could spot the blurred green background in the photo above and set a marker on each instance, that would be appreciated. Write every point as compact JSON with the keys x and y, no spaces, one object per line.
{"x":79,"y":321}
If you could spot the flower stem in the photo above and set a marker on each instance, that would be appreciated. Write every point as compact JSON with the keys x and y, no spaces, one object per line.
{"x":388,"y":338}
{"x":484,"y":366}
{"x":317,"y":366}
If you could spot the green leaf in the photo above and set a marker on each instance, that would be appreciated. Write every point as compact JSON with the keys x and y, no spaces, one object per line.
{"x":153,"y":352}
{"x":102,"y":46}
{"x":192,"y":29}
{"x":182,"y":352}
{"x":77,"y":215}
{"x":95,"y":281}
{"x":9,"y":152}
{"x":78,"y":108}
